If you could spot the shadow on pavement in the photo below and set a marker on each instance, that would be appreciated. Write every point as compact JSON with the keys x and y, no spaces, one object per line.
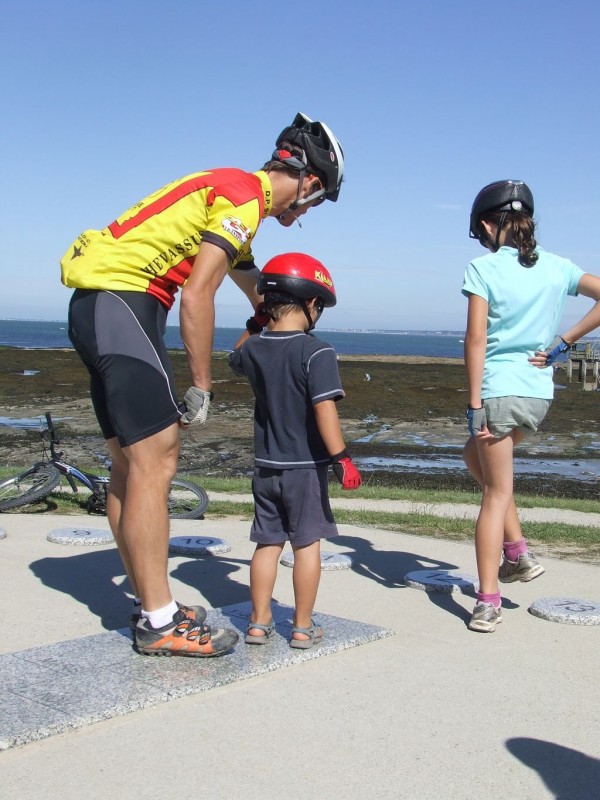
{"x":568,"y":774}
{"x":89,"y":578}
{"x":211,"y":575}
{"x":388,"y":567}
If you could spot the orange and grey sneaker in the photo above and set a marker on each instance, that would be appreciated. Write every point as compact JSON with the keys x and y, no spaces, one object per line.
{"x":193,"y":612}
{"x":185,"y":636}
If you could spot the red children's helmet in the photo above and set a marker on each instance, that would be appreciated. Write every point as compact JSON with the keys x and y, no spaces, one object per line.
{"x":298,"y":275}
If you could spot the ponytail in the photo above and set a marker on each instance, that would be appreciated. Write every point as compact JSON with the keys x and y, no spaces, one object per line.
{"x":523,"y":230}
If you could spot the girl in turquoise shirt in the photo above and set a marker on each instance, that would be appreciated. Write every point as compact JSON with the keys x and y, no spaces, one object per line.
{"x":516,"y":295}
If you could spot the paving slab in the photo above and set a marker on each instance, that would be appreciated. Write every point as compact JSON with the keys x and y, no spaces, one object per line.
{"x":81,"y":681}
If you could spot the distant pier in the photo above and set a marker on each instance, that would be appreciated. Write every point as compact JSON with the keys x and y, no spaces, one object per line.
{"x":582,"y":365}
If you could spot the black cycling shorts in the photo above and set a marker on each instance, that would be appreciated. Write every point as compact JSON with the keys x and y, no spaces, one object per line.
{"x":119,"y":337}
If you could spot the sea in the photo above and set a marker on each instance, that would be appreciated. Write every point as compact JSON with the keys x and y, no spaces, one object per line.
{"x":52,"y":335}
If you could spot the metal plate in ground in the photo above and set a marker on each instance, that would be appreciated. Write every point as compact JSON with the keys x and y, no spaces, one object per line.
{"x":568,"y":610}
{"x":442,"y":580}
{"x":197,"y":546}
{"x":80,"y":536}
{"x":328,"y":560}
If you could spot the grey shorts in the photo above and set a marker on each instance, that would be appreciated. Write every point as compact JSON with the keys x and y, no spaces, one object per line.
{"x":291,"y":504}
{"x":506,"y":414}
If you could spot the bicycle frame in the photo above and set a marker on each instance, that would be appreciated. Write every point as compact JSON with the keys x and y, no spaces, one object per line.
{"x":95,"y":483}
{"x":186,"y":499}
{"x":92,"y":482}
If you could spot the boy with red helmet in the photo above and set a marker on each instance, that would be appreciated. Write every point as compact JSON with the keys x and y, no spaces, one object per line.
{"x":297,"y":434}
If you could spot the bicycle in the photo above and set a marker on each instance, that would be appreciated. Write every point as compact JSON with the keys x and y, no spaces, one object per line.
{"x":186,"y":499}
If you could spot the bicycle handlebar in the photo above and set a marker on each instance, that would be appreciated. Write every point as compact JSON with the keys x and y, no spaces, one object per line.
{"x":51,"y":428}
{"x":54,"y":440}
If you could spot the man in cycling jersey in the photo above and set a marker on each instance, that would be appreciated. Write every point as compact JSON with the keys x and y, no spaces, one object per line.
{"x":187,"y":235}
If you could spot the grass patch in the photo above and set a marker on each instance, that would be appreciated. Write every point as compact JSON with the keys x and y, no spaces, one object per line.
{"x":560,"y":540}
{"x":421,"y":496}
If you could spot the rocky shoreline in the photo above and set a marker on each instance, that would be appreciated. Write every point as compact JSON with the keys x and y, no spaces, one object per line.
{"x":394,"y":405}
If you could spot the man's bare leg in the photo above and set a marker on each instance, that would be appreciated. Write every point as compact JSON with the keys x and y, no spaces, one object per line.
{"x":115,"y":500}
{"x":138,"y":512}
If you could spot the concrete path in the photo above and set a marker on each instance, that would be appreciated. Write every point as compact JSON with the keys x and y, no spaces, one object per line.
{"x":459,"y":510}
{"x":434,"y":711}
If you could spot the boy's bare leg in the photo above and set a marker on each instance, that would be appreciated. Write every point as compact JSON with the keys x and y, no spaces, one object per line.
{"x":139,"y":514}
{"x":306,"y":578}
{"x":263,"y":573}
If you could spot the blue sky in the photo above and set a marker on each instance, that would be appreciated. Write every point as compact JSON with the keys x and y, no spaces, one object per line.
{"x":104,"y":102}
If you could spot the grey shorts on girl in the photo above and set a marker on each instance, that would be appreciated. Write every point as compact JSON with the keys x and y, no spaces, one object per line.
{"x":505,"y":414}
{"x":291,"y":504}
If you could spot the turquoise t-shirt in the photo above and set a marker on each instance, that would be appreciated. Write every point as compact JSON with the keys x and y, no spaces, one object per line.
{"x":525,"y":306}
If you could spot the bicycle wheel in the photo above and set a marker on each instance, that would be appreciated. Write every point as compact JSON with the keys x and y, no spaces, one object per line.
{"x":29,"y":486}
{"x":186,"y":500}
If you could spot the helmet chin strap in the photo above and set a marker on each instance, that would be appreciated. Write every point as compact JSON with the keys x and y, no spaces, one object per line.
{"x":499,"y":230}
{"x":299,"y":202}
{"x":311,"y":322}
{"x":487,"y":242}
{"x":285,"y":213}
{"x":276,"y":297}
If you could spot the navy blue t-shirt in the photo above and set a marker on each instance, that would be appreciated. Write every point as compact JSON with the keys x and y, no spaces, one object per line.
{"x":290,"y":372}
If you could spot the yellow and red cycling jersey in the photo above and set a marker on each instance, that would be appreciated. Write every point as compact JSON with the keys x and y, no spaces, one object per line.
{"x":152,"y":246}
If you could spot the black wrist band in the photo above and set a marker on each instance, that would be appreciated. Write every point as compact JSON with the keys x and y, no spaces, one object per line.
{"x":339,"y":456}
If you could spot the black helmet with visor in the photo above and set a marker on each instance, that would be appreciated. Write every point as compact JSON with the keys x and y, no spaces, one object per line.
{"x":503,"y":196}
{"x":322,"y":156}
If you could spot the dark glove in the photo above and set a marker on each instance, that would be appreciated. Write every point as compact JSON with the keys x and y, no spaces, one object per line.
{"x":476,"y":419}
{"x":197,"y":403}
{"x":557,"y":347}
{"x":345,"y":471}
{"x":260,"y":319}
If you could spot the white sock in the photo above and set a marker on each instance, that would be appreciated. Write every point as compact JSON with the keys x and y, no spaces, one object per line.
{"x":161,"y":616}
